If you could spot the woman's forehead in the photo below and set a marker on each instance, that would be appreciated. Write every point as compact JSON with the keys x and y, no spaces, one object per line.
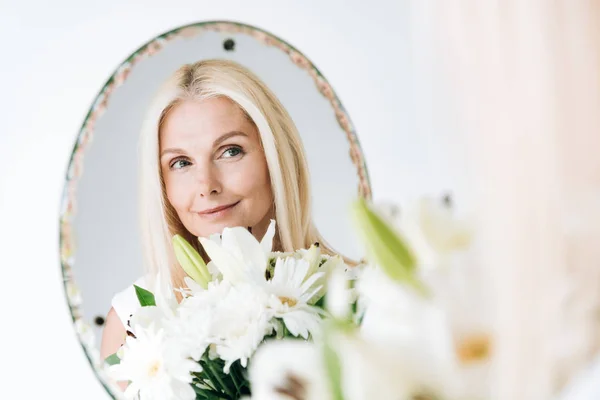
{"x":204,"y":121}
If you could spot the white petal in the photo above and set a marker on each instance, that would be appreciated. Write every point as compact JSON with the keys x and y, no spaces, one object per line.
{"x":267,"y":241}
{"x":184,"y":391}
{"x":215,"y":237}
{"x":192,"y":285}
{"x":277,"y":361}
{"x":242,"y":242}
{"x":301,"y":322}
{"x":214,"y":271}
{"x":299,"y":270}
{"x":309,"y":297}
{"x":226,"y":262}
{"x":131,"y":391}
{"x":280,"y":275}
{"x":338,"y":299}
{"x":145,"y":317}
{"x":310,"y":282}
{"x":584,"y":385}
{"x":164,"y":296}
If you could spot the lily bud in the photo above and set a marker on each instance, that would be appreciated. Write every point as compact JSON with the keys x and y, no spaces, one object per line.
{"x":384,"y":246}
{"x":191,"y":261}
{"x":313,"y":257}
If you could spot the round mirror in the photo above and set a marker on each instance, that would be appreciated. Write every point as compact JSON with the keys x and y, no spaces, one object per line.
{"x":100,"y":236}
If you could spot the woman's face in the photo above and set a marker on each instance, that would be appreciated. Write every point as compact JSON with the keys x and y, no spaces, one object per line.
{"x":214,"y":168}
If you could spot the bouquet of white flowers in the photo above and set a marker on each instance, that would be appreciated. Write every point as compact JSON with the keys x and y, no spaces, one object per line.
{"x":413,"y":323}
{"x":199,"y":348}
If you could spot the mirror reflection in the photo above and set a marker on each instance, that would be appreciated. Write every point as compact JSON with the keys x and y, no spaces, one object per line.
{"x":209,"y":126}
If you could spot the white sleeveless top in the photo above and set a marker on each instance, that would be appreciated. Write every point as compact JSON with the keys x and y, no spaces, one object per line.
{"x":126,"y":302}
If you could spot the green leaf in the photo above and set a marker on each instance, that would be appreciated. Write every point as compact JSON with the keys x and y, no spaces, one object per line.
{"x":386,"y":247}
{"x":113,"y":359}
{"x":145,"y":297}
{"x":333,"y":366}
{"x":191,"y":261}
{"x":321,"y":302}
{"x":214,"y":374}
{"x":208,"y":394}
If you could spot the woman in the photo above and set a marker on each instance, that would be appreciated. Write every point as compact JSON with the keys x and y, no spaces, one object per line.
{"x":218,"y":150}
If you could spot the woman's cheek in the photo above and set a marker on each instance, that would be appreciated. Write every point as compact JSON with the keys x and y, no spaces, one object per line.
{"x":178,"y":193}
{"x":240,"y":178}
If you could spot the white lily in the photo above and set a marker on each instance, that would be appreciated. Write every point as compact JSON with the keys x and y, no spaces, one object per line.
{"x":426,"y":308}
{"x":431,"y":230}
{"x":339,"y":295}
{"x":238,"y":255}
{"x":442,"y":342}
{"x":285,"y":369}
{"x":160,"y":315}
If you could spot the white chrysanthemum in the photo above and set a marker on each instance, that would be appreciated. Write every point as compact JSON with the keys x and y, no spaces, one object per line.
{"x":157,"y":368}
{"x":290,"y":292}
{"x":240,"y":323}
{"x":318,"y":262}
{"x":195,"y":317}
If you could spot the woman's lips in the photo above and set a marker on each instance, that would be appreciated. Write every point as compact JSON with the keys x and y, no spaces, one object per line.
{"x":217,"y":212}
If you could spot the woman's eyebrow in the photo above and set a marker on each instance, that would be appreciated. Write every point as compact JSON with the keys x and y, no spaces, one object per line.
{"x":217,"y":141}
{"x":171,"y":150}
{"x":228,"y":135}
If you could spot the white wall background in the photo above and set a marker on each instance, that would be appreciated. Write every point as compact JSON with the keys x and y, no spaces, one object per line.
{"x":56,"y":55}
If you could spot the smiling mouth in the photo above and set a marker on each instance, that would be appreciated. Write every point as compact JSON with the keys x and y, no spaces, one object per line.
{"x":218,"y":210}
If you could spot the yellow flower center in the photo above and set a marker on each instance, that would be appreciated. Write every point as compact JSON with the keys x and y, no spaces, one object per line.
{"x":474,"y":348}
{"x":288,"y":300}
{"x":153,"y":370}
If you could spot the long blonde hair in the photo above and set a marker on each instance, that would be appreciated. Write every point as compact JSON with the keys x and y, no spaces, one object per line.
{"x":284,"y":153}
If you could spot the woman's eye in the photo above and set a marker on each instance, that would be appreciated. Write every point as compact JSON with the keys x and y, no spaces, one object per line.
{"x":232,"y":152}
{"x":179,"y":164}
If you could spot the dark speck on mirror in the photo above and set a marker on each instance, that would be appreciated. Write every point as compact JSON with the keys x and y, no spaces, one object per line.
{"x":99,"y":320}
{"x":447,"y":199}
{"x":229,"y":45}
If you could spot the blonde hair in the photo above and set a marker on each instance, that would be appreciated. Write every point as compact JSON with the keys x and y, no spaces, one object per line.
{"x":284,"y":153}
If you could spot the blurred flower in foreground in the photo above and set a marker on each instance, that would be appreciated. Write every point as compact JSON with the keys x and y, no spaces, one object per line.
{"x":425,"y":331}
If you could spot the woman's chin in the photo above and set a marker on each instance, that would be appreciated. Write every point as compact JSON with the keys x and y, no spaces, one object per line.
{"x":216,"y":228}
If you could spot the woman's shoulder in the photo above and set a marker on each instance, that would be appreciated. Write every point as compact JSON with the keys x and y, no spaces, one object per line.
{"x":125,"y":302}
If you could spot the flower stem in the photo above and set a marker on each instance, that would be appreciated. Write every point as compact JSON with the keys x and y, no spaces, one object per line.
{"x":234,"y":376}
{"x":217,"y":376}
{"x":205,"y":381}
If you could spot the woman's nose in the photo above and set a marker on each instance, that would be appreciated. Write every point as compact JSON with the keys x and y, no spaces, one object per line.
{"x":207,"y":181}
